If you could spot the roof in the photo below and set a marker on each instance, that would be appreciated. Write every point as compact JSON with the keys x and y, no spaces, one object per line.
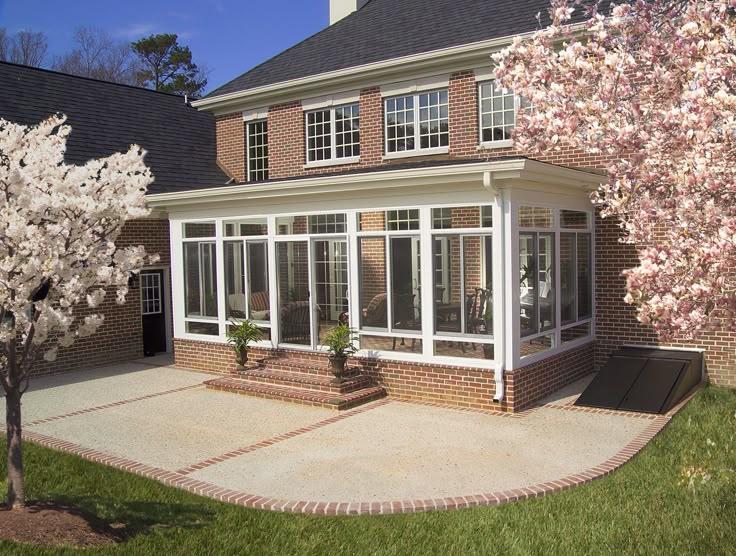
{"x":108,"y":118}
{"x":386,"y":29}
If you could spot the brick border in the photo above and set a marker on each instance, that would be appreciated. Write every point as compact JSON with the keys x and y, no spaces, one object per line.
{"x":111,"y":404}
{"x":280,"y":438}
{"x":172,"y":478}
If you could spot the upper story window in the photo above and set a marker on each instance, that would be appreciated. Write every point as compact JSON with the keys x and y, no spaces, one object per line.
{"x":333,"y":133}
{"x":497,"y":112}
{"x":258,"y":150}
{"x":417,"y":122}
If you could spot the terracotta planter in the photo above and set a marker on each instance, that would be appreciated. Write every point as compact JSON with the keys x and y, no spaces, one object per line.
{"x":337,"y":366}
{"x":242,"y":358}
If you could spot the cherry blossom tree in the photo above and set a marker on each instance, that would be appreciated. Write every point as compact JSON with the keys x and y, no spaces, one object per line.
{"x":650,"y":85}
{"x":58,"y":226}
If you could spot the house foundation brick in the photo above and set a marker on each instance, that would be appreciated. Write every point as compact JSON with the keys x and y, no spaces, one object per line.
{"x":443,"y":384}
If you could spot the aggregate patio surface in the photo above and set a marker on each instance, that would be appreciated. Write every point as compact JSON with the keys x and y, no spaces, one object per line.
{"x":387,"y":456}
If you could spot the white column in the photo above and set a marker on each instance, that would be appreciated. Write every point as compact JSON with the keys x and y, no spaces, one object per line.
{"x":177,"y":276}
{"x":273,"y":296}
{"x":220,"y":279}
{"x":427,"y":291}
{"x":511,"y":274}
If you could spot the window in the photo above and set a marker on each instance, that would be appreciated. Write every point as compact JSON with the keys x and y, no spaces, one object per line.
{"x":417,"y":122}
{"x":497,"y":112}
{"x":403,"y":219}
{"x":327,"y":223}
{"x":200,"y":281}
{"x":333,"y":133}
{"x":258,"y":151}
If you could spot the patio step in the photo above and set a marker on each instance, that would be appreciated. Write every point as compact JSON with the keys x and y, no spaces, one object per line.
{"x":303,"y":396}
{"x":319,"y":367}
{"x":305,"y":380}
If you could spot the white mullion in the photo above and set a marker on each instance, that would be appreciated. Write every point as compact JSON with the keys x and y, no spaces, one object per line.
{"x":177,"y":280}
{"x":333,"y":136}
{"x":247,"y":151}
{"x":498,"y":278}
{"x":556,"y":259}
{"x":246,"y":281}
{"x":387,"y":250}
{"x":416,"y":123}
{"x":427,"y":286}
{"x":511,"y":256}
{"x":463,"y":318}
{"x":272,"y":281}
{"x":220,"y":277}
{"x":354,"y":266}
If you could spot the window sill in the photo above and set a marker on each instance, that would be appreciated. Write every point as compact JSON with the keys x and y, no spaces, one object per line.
{"x":489,"y":145}
{"x":418,"y":152}
{"x":332,"y":162}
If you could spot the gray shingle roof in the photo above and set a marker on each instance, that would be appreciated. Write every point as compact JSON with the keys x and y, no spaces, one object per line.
{"x":107,"y":118}
{"x":386,"y":29}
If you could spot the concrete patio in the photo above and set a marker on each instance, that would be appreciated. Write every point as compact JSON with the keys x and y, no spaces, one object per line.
{"x":153,"y":416}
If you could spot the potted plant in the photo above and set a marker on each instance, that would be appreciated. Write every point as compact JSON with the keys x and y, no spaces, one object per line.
{"x":240,"y":336}
{"x":340,"y":343}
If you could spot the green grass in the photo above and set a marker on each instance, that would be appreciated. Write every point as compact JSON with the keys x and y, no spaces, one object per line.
{"x":646,"y":507}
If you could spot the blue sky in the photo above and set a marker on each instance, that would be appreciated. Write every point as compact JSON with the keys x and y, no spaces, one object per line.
{"x":228,"y":36}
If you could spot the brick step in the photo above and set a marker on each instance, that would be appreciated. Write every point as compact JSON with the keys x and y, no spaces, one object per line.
{"x":304,"y":380}
{"x":297,"y":395}
{"x":304,"y":366}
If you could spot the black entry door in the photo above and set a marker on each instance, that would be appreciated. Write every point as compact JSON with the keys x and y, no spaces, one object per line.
{"x":154,"y":311}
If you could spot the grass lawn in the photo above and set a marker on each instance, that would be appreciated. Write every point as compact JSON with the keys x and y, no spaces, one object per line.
{"x":647,"y":507}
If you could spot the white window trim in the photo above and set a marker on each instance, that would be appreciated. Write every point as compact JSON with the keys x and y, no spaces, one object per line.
{"x":255,"y":114}
{"x":337,"y":99}
{"x":504,"y":143}
{"x":334,"y":160}
{"x":247,"y":146}
{"x":418,"y":85}
{"x":416,"y":151}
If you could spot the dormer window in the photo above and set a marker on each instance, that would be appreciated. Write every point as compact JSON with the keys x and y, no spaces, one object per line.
{"x":333,"y":134}
{"x":417,"y":122}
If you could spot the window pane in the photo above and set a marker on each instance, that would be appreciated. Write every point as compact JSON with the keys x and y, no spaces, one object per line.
{"x":399,"y":123}
{"x":461,"y":217}
{"x":546,"y":263}
{"x":208,"y":328}
{"x":568,"y":278}
{"x":528,"y":284}
{"x":234,"y":280}
{"x":433,"y":120}
{"x":199,"y":229}
{"x":585,"y":295}
{"x":327,"y":223}
{"x":406,"y":283}
{"x":260,"y":303}
{"x":293,"y":292}
{"x":449,"y":299}
{"x":403,"y":219}
{"x":290,"y":225}
{"x":319,"y":136}
{"x":575,"y":333}
{"x":347,"y":139}
{"x":200,"y":283}
{"x":246,"y":227}
{"x":373,"y":297}
{"x":535,"y":217}
{"x":390,"y":343}
{"x":537,"y":345}
{"x":574,"y":219}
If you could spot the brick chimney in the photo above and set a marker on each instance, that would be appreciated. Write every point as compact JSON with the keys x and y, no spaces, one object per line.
{"x":341,"y":8}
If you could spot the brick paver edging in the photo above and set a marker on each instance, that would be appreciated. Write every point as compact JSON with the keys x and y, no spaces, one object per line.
{"x":111,"y":404}
{"x":174,"y":479}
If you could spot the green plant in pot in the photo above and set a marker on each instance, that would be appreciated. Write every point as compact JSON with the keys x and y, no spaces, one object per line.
{"x":241,"y":335}
{"x":340,"y":341}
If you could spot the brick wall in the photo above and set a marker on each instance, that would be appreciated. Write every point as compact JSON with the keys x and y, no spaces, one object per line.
{"x":427,"y":382}
{"x":616,"y":321}
{"x":120,"y":337}
{"x":230,"y":130}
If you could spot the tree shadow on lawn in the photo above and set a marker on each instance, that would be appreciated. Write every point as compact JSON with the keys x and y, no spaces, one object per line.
{"x":132,"y":518}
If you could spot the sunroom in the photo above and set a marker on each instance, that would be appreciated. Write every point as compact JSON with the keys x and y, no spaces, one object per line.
{"x":479,"y":264}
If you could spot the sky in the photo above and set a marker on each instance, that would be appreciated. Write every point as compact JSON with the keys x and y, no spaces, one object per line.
{"x":228,"y":36}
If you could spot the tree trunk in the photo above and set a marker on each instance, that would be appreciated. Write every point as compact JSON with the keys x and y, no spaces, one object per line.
{"x":16,"y":479}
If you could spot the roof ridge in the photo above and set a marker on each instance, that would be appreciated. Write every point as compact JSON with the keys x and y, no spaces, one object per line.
{"x":94,"y":79}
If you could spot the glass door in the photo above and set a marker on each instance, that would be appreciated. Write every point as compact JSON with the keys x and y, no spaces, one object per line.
{"x":292,"y":272}
{"x":331,"y":283}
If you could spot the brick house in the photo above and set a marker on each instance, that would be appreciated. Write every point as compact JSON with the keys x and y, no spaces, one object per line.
{"x":372,"y":179}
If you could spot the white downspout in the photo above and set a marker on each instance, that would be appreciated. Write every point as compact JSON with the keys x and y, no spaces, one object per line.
{"x":498,"y":282}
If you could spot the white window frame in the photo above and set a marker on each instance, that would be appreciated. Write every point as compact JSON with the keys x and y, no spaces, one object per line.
{"x":502,"y":143}
{"x":417,"y":150}
{"x":248,"y":125}
{"x":334,"y":159}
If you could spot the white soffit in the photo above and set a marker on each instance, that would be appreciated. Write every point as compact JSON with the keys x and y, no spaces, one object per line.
{"x":406,"y":87}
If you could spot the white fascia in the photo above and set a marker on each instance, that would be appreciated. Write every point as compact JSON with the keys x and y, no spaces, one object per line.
{"x":414,"y":66}
{"x":503,"y":173}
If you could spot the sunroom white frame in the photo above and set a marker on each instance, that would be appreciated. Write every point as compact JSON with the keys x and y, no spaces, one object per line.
{"x":505,"y":185}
